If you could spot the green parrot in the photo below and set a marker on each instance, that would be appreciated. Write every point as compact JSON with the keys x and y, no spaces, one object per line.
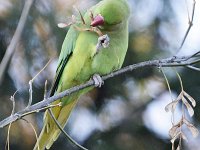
{"x":93,"y":48}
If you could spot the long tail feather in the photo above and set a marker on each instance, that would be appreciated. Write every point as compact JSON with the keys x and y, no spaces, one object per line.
{"x":50,"y":131}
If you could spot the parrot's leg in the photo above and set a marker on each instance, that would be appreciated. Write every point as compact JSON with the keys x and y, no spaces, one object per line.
{"x":98,"y":82}
{"x":103,"y":41}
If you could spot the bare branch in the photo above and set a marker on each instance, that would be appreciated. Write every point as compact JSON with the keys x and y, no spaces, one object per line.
{"x":190,"y":22}
{"x":194,"y":55}
{"x":193,"y":68}
{"x":44,"y":104}
{"x":45,"y":90}
{"x":31,"y":84}
{"x":12,"y":98}
{"x":16,"y":37}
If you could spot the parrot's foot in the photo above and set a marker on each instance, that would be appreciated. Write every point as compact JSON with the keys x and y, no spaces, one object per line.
{"x":98,"y":82}
{"x":103,"y":41}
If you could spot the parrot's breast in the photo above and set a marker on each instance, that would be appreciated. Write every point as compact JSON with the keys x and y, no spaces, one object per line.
{"x":86,"y":61}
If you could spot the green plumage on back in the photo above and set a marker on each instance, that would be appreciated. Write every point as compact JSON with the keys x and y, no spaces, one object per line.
{"x":79,"y":60}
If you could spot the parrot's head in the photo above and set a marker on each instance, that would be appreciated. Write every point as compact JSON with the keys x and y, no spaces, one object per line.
{"x":110,"y":13}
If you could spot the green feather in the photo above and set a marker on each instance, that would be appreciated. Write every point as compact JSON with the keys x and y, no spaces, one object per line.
{"x":78,"y":61}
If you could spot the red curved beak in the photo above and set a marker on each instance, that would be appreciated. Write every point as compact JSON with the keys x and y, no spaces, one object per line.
{"x":97,"y":21}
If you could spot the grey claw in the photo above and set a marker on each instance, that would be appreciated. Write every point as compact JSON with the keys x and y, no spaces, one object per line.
{"x":103,"y":42}
{"x":98,"y":82}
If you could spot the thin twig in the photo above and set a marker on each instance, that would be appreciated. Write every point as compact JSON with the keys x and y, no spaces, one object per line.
{"x":12,"y":98}
{"x":16,"y":37}
{"x":170,"y":92}
{"x":45,"y":90}
{"x":180,"y":80}
{"x":30,"y":93}
{"x":63,"y":131}
{"x":31,"y":84}
{"x":39,"y":109}
{"x":190,"y":22}
{"x":168,"y":62}
{"x":193,"y":68}
{"x":41,"y":70}
{"x":194,"y":55}
{"x":82,"y":19}
{"x":8,"y":137}
{"x":36,"y":136}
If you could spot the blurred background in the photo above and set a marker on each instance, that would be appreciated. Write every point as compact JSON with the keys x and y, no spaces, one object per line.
{"x":128,"y":111}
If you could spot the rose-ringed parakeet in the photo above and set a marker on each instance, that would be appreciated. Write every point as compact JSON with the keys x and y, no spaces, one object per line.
{"x":97,"y":46}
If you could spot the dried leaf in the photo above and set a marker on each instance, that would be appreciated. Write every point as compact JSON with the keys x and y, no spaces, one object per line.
{"x":173,"y":131}
{"x":192,"y":128}
{"x":194,"y":131}
{"x":179,"y":96}
{"x":175,"y":137}
{"x":171,"y":106}
{"x":190,"y":98}
{"x":178,"y":148}
{"x":188,"y":106}
{"x":184,"y":136}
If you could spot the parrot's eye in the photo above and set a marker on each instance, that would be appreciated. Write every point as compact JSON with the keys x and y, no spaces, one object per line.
{"x":97,"y":21}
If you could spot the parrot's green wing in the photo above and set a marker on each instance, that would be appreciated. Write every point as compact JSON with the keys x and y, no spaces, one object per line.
{"x":66,"y":51}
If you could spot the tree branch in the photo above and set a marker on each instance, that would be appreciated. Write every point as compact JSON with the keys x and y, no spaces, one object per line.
{"x":174,"y":61}
{"x":190,"y":22}
{"x":16,"y":37}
